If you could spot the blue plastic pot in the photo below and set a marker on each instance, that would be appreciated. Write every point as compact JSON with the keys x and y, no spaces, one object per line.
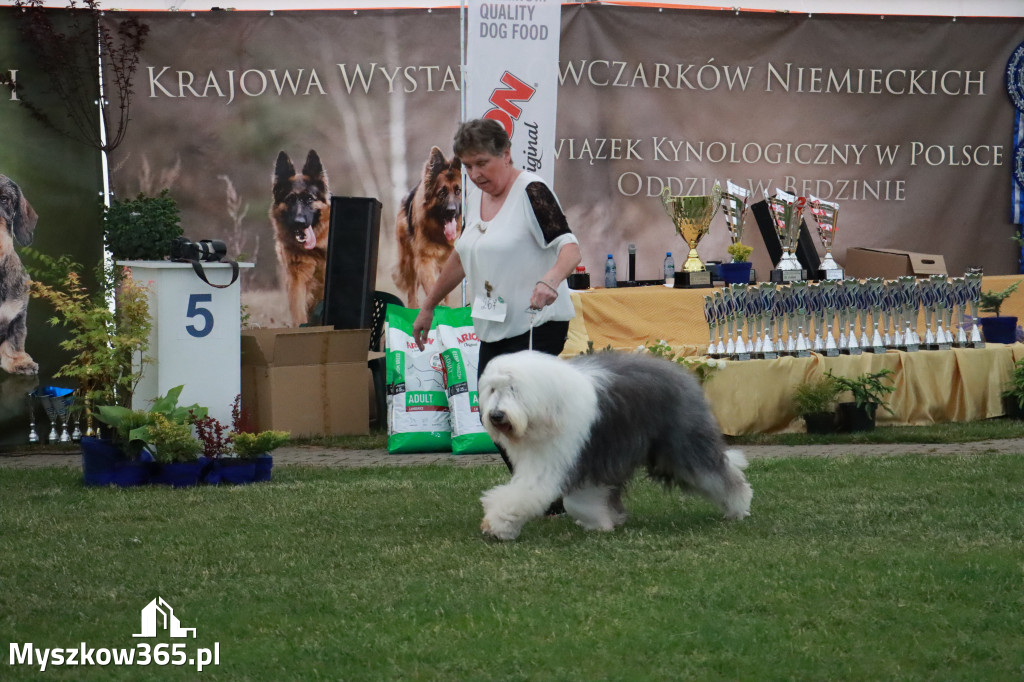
{"x":180,"y":474}
{"x":103,"y":463}
{"x":735,"y":273}
{"x":1002,"y":329}
{"x":231,"y":470}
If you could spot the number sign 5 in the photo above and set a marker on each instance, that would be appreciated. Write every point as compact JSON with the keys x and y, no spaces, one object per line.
{"x":200,"y":318}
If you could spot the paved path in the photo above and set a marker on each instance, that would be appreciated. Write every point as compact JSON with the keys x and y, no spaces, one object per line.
{"x":310,"y":455}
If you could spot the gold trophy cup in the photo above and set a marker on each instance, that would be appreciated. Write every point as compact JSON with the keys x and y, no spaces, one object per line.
{"x":692,"y":216}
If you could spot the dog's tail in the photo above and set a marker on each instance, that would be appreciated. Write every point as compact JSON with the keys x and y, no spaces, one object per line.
{"x":736,"y":458}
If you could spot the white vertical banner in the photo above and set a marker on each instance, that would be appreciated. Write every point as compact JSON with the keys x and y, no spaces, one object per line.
{"x":512,"y":75}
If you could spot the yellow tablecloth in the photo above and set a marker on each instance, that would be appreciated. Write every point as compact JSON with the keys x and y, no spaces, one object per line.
{"x":630,"y":316}
{"x":931,"y":386}
{"x":756,"y":396}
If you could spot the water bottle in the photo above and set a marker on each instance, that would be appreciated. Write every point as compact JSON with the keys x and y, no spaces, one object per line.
{"x":670,"y":269}
{"x":609,"y":273}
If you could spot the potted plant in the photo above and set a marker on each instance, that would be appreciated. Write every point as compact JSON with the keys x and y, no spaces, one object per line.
{"x":868,"y":395}
{"x":258,"y":446}
{"x":142,"y":228}
{"x":101,"y":341}
{"x":137,"y":435}
{"x":1013,"y":395}
{"x":738,"y":271}
{"x":177,"y":452}
{"x":816,"y":401}
{"x":997,"y":329}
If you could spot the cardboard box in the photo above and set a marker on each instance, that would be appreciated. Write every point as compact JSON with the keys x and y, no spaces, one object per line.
{"x":309,"y":381}
{"x":891,"y":263}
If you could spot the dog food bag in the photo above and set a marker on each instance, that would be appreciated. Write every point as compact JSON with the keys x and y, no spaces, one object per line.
{"x":459,"y":362}
{"x":417,"y":404}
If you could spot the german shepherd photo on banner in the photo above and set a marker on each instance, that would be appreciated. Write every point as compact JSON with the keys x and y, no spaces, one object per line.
{"x":428,"y":222}
{"x":301,"y":216}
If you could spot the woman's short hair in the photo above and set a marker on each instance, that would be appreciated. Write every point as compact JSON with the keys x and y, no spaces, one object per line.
{"x":481,"y":135}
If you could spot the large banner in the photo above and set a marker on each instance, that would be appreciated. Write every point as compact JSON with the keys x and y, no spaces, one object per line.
{"x":512,"y":75}
{"x":904,"y":121}
{"x":61,"y":180}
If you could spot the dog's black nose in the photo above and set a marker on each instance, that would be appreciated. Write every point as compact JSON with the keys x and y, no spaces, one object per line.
{"x":497,"y":417}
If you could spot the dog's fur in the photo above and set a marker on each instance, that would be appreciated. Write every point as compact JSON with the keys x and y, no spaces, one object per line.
{"x":428,"y":222}
{"x":17,"y":222}
{"x":301,"y":216}
{"x":580,"y":428}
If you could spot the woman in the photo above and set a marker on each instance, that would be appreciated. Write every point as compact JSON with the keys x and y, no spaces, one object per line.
{"x":515,"y":252}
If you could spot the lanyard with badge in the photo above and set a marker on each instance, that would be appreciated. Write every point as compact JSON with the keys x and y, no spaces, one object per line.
{"x":490,"y":308}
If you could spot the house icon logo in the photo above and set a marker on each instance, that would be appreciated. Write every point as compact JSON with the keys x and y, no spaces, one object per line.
{"x":159,"y":614}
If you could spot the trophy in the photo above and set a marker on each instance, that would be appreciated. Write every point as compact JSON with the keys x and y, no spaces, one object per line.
{"x":829,"y":293}
{"x":873,"y":299}
{"x":786,"y":211}
{"x":56,"y":402}
{"x":769,"y":302}
{"x":711,"y":317}
{"x":800,"y":306}
{"x":721,"y":313}
{"x":734,"y":206}
{"x":909,"y":297}
{"x":692,"y":216}
{"x":944,"y":301}
{"x":959,"y":285}
{"x":826,"y":215}
{"x":738,"y":296}
{"x":973,"y":277}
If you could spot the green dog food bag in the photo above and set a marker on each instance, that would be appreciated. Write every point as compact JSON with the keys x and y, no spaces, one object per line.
{"x":417,"y":404}
{"x":460,"y":359}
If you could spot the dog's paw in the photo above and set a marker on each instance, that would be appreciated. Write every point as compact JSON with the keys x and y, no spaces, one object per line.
{"x":498,"y":529}
{"x":19,"y":363}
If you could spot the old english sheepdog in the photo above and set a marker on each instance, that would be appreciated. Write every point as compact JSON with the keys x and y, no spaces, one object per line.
{"x":579,"y":429}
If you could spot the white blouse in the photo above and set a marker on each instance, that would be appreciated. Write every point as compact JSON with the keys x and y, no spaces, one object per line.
{"x":506,"y":256}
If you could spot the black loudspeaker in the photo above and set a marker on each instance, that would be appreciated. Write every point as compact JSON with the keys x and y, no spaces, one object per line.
{"x":351,"y":275}
{"x":806,"y":252}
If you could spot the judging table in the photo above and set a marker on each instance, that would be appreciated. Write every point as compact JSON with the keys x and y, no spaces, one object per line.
{"x":754,"y":396}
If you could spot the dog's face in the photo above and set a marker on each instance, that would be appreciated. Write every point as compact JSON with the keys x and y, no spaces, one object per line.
{"x":515,"y":400}
{"x":442,"y":184}
{"x":17,"y":217}
{"x":300,"y":200}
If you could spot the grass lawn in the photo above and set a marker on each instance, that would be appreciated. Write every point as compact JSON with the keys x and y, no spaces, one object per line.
{"x":889,"y":568}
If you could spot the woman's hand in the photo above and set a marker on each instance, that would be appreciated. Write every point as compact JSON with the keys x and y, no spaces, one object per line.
{"x":421,"y":326}
{"x":544,"y":294}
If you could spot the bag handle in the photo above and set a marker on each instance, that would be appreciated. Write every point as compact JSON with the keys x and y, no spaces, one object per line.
{"x":198,"y":267}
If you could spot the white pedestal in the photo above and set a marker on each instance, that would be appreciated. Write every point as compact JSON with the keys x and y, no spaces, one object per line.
{"x":195,"y":339}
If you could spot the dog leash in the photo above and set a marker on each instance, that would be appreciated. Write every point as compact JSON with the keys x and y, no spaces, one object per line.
{"x":532,"y":312}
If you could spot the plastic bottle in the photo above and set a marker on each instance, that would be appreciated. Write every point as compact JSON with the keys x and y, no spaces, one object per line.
{"x":609,"y":273}
{"x":670,"y":269}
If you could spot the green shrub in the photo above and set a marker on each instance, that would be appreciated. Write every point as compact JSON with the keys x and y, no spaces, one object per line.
{"x":142,"y":228}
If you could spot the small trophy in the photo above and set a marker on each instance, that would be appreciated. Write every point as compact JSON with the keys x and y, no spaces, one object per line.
{"x":734,"y":206}
{"x":787,"y":211}
{"x":910,"y":304}
{"x":769,"y":303}
{"x":711,"y":316}
{"x":692,"y":216}
{"x":959,"y":285}
{"x":973,"y":277}
{"x":826,"y":215}
{"x":944,"y":313}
